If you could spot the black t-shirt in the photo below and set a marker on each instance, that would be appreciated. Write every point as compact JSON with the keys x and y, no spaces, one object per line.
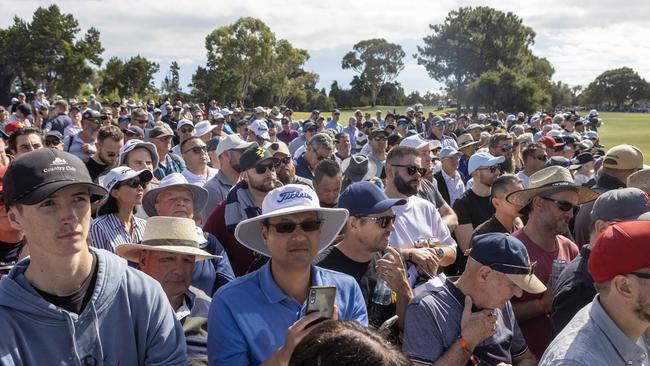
{"x":364,"y":273}
{"x":492,"y":225}
{"x":9,"y":253}
{"x":473,"y":209}
{"x":76,"y":301}
{"x":95,"y":169}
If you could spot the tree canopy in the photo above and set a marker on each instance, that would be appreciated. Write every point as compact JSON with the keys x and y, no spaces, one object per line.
{"x":617,"y":86}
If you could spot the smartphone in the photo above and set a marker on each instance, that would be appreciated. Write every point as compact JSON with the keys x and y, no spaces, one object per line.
{"x":321,"y":299}
{"x":388,"y":323}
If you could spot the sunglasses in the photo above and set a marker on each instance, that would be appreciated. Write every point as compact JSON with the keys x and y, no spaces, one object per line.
{"x":382,"y":221}
{"x":492,"y":168}
{"x":143,"y":120}
{"x":134,"y":183}
{"x":412,"y":169}
{"x":541,"y":157}
{"x":562,"y":205}
{"x":380,"y":138}
{"x":197,"y":149}
{"x":645,"y":276}
{"x":289,"y":227}
{"x":283,"y":161}
{"x":187,"y":130}
{"x":262,"y":168}
{"x":52,"y":142}
{"x":104,"y":117}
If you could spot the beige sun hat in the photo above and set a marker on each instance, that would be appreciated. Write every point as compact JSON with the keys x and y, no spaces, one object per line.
{"x":166,"y":234}
{"x":553,"y":178}
{"x":640,"y":180}
{"x":466,"y":140}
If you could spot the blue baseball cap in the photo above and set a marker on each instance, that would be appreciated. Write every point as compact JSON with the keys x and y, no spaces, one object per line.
{"x":506,"y":254}
{"x":365,"y":198}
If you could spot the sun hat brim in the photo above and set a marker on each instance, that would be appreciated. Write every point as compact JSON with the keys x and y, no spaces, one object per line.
{"x":199,"y":197}
{"x":131,"y":251}
{"x":249,"y":232}
{"x":372,"y":170}
{"x":523,"y":197}
{"x":148,"y":176}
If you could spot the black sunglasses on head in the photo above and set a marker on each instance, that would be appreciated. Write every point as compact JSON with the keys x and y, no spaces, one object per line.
{"x":412,"y":169}
{"x":289,"y":227}
{"x":382,"y":221}
{"x":562,"y":205}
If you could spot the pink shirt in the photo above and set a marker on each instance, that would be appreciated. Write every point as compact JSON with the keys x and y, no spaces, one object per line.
{"x":538,"y":331}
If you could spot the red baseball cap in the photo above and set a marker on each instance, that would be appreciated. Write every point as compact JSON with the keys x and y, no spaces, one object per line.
{"x":622,"y":248}
{"x":549,"y":142}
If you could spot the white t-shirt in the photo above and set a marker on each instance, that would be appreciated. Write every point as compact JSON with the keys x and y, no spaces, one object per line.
{"x":199,"y":180}
{"x":418,"y":219}
{"x":523,"y":178}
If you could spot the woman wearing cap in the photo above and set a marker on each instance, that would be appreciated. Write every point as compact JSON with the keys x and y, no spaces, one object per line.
{"x":116,"y":223}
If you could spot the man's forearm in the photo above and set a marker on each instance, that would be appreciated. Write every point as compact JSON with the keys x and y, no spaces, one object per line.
{"x":454,"y":356}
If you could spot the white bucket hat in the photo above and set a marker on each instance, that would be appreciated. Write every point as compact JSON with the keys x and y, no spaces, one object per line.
{"x":287,"y":200}
{"x":166,"y":234}
{"x":203,"y":127}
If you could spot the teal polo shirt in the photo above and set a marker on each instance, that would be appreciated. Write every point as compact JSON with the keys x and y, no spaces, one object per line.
{"x":249,"y":316}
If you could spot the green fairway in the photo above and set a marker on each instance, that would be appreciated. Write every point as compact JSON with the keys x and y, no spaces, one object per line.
{"x":626,"y":128}
{"x":619,"y":128}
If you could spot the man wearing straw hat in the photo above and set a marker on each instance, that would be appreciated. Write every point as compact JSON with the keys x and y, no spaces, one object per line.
{"x":549,"y":201}
{"x":259,"y":318}
{"x":167,"y":254}
{"x":68,"y":303}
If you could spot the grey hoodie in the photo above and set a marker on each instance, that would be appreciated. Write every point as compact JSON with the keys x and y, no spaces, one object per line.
{"x":128,"y":321}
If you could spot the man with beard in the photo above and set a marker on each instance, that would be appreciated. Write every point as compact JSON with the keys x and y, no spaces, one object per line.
{"x":500,"y":144}
{"x":418,"y":219}
{"x":615,"y":328}
{"x":229,"y":152}
{"x":549,"y":202}
{"x":534,"y":157}
{"x":327,"y":183}
{"x":285,"y":169}
{"x":473,"y":207}
{"x":244,"y":201}
{"x":109,"y":142}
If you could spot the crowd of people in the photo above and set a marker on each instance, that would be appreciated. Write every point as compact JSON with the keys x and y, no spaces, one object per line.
{"x":171,"y":233}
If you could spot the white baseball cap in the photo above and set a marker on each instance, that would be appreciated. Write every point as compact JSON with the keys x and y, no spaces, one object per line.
{"x":261,"y":129}
{"x":232,"y":142}
{"x":417,"y":142}
{"x":184,"y":122}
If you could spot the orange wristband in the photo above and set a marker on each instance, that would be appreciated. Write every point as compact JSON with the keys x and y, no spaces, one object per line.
{"x":463,"y":345}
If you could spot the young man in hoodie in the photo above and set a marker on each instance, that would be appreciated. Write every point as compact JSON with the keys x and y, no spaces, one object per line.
{"x":68,"y":303}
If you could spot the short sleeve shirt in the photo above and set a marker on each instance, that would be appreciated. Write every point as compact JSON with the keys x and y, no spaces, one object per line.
{"x":418,"y":219}
{"x":473,"y":209}
{"x":432,"y":326}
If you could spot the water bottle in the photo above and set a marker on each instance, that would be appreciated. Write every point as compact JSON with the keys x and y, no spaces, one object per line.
{"x":382,"y":293}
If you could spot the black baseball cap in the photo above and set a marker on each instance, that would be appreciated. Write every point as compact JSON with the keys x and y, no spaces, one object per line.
{"x":252,"y":156}
{"x":35,"y":176}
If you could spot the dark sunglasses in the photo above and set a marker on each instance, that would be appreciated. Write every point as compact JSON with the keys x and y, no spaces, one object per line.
{"x":134,"y":183}
{"x":289,"y":227}
{"x":380,"y":138}
{"x":412,"y":169}
{"x":186,"y":130}
{"x":645,"y":276}
{"x":143,"y":120}
{"x":197,"y":149}
{"x":104,"y":117}
{"x":283,"y":161}
{"x":52,"y":142}
{"x":262,"y":168}
{"x":562,"y":205}
{"x":382,"y":221}
{"x":541,"y":157}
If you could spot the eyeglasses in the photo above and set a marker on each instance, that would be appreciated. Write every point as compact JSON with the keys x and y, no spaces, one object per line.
{"x":187,"y":130}
{"x":262,"y":168}
{"x":492,"y":168}
{"x":197,"y":149}
{"x":645,"y":276}
{"x":134,"y":183}
{"x":562,"y":205}
{"x":289,"y":227}
{"x":382,"y":221}
{"x":541,"y":157}
{"x":412,"y":169}
{"x":380,"y":138}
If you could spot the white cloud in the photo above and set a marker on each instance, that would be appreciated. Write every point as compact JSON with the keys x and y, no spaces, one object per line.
{"x":580,"y":38}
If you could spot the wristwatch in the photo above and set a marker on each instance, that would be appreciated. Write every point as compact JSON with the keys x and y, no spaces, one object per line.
{"x":440,"y":252}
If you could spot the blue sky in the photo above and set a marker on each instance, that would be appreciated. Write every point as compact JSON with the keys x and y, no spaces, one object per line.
{"x":580,"y":38}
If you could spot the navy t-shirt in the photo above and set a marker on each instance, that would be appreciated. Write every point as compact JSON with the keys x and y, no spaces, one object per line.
{"x":432,"y":326}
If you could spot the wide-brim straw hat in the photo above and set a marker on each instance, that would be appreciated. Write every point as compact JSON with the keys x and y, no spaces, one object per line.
{"x":166,"y":234}
{"x":553,"y":178}
{"x":199,"y":194}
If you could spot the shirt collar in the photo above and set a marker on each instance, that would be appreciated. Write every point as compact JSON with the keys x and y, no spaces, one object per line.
{"x":223,"y":179}
{"x":455,"y":177}
{"x":273,"y":292}
{"x":627,"y":349}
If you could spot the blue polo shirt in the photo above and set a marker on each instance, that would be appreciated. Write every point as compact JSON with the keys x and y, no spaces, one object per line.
{"x":249,"y":317}
{"x":432,"y":325}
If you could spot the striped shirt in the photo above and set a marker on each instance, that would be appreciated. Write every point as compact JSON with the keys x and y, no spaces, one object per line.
{"x":107,"y":232}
